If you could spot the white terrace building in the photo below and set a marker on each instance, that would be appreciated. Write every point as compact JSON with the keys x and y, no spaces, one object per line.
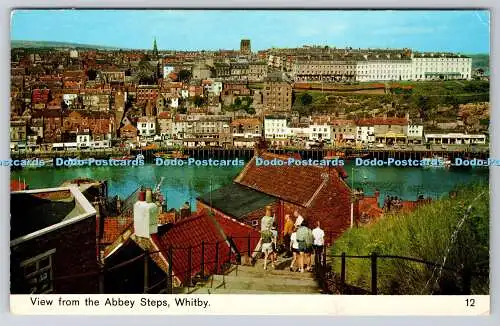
{"x":275,"y":128}
{"x":455,"y":138}
{"x":383,"y":67}
{"x":429,"y":66}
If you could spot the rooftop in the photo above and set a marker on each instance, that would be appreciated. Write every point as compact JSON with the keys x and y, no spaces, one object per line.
{"x":236,"y":200}
{"x":39,"y":211}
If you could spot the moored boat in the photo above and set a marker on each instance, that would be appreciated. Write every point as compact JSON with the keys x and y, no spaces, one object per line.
{"x":172,"y":155}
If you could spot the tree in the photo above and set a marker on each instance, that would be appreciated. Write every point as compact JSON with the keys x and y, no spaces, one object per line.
{"x":91,"y":74}
{"x":184,"y":75}
{"x":306,"y":99}
{"x":198,"y":101}
{"x":237,"y":101}
{"x":249,"y":110}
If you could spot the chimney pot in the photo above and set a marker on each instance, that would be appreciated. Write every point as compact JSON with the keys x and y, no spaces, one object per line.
{"x":142,"y":196}
{"x":149,"y":195}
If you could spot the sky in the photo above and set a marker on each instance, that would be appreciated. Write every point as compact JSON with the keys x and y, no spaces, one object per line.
{"x":454,"y":31}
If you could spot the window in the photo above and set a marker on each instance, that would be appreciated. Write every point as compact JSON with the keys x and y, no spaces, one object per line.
{"x":38,"y":272}
{"x":255,"y":222}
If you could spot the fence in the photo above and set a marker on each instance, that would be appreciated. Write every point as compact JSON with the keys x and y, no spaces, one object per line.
{"x":333,"y":283}
{"x":189,"y":265}
{"x":186,"y":266}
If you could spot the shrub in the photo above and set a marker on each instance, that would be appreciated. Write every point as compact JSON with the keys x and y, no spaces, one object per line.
{"x":425,"y":234}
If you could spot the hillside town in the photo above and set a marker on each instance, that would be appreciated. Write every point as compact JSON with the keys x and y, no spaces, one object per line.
{"x":75,"y":237}
{"x":67,"y":98}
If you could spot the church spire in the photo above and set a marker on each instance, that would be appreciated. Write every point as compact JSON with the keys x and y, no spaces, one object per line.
{"x":155,"y":48}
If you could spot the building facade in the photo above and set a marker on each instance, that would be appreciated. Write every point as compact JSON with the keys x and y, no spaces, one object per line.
{"x":277,"y":96}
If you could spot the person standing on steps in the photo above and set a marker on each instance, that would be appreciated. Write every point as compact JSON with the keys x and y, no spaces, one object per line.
{"x":287,"y":232}
{"x":268,"y":239}
{"x":294,"y":248}
{"x":303,"y":237}
{"x":266,"y":235}
{"x":309,"y":249}
{"x":318,"y":244}
{"x":298,"y":218}
{"x":267,"y":220}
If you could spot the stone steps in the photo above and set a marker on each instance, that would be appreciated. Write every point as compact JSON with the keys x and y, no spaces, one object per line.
{"x":256,"y":280}
{"x":240,"y":291}
{"x":270,"y":273}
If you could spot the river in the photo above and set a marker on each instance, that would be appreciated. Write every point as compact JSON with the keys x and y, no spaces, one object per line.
{"x":183,"y":184}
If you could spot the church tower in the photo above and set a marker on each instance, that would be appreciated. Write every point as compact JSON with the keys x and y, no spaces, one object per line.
{"x":155,"y":49}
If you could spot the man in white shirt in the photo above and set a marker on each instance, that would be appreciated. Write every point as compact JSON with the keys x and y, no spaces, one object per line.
{"x":318,"y":244}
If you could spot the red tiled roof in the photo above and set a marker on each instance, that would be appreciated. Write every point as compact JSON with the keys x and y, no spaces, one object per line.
{"x":166,"y":217}
{"x":369,"y":205}
{"x":164,"y":115}
{"x":382,"y":121}
{"x":239,"y":233}
{"x":324,"y":196}
{"x":190,"y":233}
{"x":245,"y":122}
{"x":129,"y":127}
{"x":409,"y":206}
{"x":296,"y":184}
{"x":114,"y":227}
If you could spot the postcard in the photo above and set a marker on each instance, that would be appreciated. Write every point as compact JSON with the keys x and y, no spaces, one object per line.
{"x":192,"y":161}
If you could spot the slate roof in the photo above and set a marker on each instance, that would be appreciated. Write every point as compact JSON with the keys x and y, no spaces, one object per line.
{"x":236,"y":200}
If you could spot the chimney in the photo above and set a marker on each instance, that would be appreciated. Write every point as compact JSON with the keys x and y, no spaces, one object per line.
{"x":99,"y":221}
{"x":260,"y":146}
{"x":118,"y":204}
{"x":145,"y":215}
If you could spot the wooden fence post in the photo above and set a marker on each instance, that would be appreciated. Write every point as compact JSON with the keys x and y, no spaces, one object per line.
{"x":342,"y":271}
{"x":102,"y":273}
{"x":229,"y":251}
{"x":324,"y":256}
{"x":217,"y":257}
{"x":146,"y":272}
{"x":202,"y":262}
{"x":170,"y":277}
{"x":190,"y":270}
{"x":248,"y":245}
{"x":466,"y":281}
{"x":374,"y":273}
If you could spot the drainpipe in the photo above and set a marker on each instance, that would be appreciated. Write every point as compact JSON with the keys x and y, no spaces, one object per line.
{"x":352,"y":213}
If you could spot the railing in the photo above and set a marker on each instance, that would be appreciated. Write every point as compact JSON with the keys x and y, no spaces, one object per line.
{"x":225,"y":254}
{"x":333,"y":283}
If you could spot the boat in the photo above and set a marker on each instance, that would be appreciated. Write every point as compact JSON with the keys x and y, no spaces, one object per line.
{"x":48,"y":162}
{"x":172,"y":155}
{"x":332,"y":155}
{"x":444,"y":162}
{"x":354,"y":156}
{"x":124,"y":157}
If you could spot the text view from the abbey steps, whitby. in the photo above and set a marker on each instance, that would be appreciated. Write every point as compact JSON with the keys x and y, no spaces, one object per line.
{"x":249,"y":152}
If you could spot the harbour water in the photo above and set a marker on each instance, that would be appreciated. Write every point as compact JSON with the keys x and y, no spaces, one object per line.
{"x":185,"y":183}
